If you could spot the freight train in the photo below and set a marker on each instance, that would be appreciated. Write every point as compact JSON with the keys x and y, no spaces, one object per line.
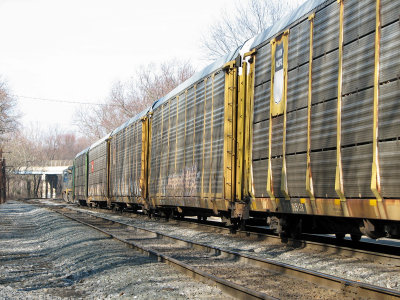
{"x":299,"y":127}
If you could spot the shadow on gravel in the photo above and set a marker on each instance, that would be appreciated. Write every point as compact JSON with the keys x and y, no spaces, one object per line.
{"x":54,"y":252}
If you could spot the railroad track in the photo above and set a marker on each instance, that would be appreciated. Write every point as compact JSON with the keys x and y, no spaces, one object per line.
{"x":385,"y":254}
{"x":239,"y":275}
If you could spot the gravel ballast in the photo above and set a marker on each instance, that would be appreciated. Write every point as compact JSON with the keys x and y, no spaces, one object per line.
{"x":44,"y":255}
{"x":351,"y":268}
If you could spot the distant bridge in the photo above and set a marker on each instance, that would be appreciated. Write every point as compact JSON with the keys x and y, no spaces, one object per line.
{"x":50,"y":175}
{"x":51,"y":167}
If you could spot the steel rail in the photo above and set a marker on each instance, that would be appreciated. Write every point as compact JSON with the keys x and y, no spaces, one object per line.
{"x":350,"y":287}
{"x":230,"y":288}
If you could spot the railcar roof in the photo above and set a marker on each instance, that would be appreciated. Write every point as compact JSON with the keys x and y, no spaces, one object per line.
{"x":130,"y":121}
{"x":82,"y":152}
{"x":219,"y":63}
{"x":286,"y":21}
{"x":100,"y":141}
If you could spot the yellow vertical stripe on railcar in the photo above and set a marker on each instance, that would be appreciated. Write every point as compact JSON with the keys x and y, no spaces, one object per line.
{"x":161,"y":142}
{"x":229,"y":125}
{"x":284,"y":184}
{"x":240,"y":130}
{"x":248,"y":188}
{"x":278,"y":108}
{"x":339,"y":172}
{"x":375,"y":176}
{"x":149,"y":142}
{"x":309,"y":181}
{"x":144,"y":172}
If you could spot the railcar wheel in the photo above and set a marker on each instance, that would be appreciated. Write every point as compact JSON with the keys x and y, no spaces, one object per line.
{"x":355,"y":237}
{"x":340,"y":236}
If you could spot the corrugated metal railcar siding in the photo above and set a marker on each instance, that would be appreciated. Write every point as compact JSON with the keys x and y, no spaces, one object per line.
{"x":389,"y":55}
{"x":263,"y":65}
{"x":325,"y":77}
{"x":359,"y":19}
{"x":358,"y":64}
{"x":126,"y":148}
{"x":261,"y":119}
{"x":260,"y":140}
{"x":326,"y":30}
{"x":97,"y":185}
{"x":262,"y":84}
{"x":389,"y":108}
{"x":190,"y":169}
{"x":389,"y":159}
{"x":180,"y":146}
{"x":217,"y":161}
{"x":299,"y":41}
{"x":389,"y":12}
{"x":206,"y":170}
{"x":155,"y":152}
{"x":171,"y":184}
{"x":80,"y":177}
{"x":356,"y":164}
{"x":138,"y":158}
{"x":164,"y":151}
{"x":199,"y":123}
{"x":389,"y":104}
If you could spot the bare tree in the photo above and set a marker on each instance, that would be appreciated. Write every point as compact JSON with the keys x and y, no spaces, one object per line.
{"x":132,"y":96}
{"x":8,"y":110}
{"x":248,"y":19}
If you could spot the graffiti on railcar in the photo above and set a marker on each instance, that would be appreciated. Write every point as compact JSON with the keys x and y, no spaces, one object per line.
{"x":184,"y":183}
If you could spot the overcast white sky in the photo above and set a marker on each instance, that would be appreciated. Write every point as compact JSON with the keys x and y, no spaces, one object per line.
{"x":75,"y":49}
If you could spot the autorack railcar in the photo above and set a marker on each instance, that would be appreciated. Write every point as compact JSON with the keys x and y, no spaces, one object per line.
{"x":300,"y":126}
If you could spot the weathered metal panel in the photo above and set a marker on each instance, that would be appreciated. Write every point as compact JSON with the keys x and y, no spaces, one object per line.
{"x":190,"y":171}
{"x":155,"y":152}
{"x":323,"y":125}
{"x":199,"y":128}
{"x":358,"y":64}
{"x":356,"y":165}
{"x":326,"y":29}
{"x":357,"y":117}
{"x":260,"y":173}
{"x":389,"y":159}
{"x":80,"y":176}
{"x":323,"y":167}
{"x":389,"y":11}
{"x":181,"y":138}
{"x":296,"y":131}
{"x":217,"y":161}
{"x":359,"y":19}
{"x":277,"y":136}
{"x":296,"y":174}
{"x":297,"y":88}
{"x":125,"y":162}
{"x":97,"y":177}
{"x":299,"y":44}
{"x":164,"y":150}
{"x":389,"y":56}
{"x":170,"y":176}
{"x":325,"y":77}
{"x":263,"y":65}
{"x":389,"y":110}
{"x":261,"y":102}
{"x":276,"y":164}
{"x":260,"y":140}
